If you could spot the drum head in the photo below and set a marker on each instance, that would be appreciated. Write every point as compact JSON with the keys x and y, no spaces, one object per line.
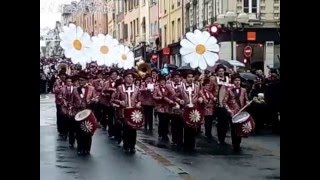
{"x":241,"y":117}
{"x":82,"y":115}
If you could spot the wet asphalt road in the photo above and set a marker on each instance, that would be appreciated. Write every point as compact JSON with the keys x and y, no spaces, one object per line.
{"x":260,"y":158}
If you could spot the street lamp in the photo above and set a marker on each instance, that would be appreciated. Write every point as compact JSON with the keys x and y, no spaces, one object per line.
{"x":230,"y":22}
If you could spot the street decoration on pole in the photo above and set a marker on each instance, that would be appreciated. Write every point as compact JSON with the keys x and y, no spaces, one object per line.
{"x":199,"y":49}
{"x":81,"y":48}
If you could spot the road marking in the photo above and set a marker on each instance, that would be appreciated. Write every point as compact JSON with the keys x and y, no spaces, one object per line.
{"x":165,"y":162}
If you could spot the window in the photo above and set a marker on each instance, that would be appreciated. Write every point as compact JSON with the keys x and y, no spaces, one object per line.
{"x":194,"y":11}
{"x":239,"y":1}
{"x":246,"y":6}
{"x":173,"y":34}
{"x":188,"y":17}
{"x":165,"y":35}
{"x":263,"y":8}
{"x":131,"y":32}
{"x":138,"y":24}
{"x":206,"y":11}
{"x":276,"y":8}
{"x":263,"y":15}
{"x":151,"y":29}
{"x":262,"y":1}
{"x":239,"y":8}
{"x":143,"y":2}
{"x":178,"y":3}
{"x":250,"y":6}
{"x":164,"y":7}
{"x":276,"y":15}
{"x":125,"y":6}
{"x":143,"y":25}
{"x":155,"y":30}
{"x":179,"y":28}
{"x":276,"y":1}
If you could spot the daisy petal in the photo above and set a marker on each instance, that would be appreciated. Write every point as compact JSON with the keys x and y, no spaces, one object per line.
{"x":79,"y":32}
{"x":202,"y":63}
{"x":192,"y":38}
{"x":190,"y":57}
{"x":213,"y":47}
{"x":198,"y":35}
{"x":186,"y":51}
{"x":211,"y":58}
{"x":194,"y":63}
{"x":205,"y":36}
{"x":186,"y":44}
{"x":211,"y":40}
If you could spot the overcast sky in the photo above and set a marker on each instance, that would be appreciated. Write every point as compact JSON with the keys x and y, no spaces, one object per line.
{"x":49,"y":12}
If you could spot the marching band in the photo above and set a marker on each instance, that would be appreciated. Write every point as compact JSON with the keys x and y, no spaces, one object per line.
{"x":111,"y":98}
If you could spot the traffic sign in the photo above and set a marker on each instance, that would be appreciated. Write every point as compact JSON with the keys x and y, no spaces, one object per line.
{"x":247,"y":51}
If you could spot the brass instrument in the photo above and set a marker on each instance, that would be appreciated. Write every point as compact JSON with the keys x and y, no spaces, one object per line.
{"x":143,"y":68}
{"x":64,"y":67}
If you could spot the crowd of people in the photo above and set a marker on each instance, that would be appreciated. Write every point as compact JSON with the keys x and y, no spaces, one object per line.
{"x":109,"y":92}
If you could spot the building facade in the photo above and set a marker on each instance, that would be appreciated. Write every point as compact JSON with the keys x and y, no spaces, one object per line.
{"x":89,"y":17}
{"x":171,"y":31}
{"x":264,"y":24}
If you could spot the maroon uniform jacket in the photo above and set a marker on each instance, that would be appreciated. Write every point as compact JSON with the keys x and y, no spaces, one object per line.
{"x":176,"y":87}
{"x":162,"y":96}
{"x":235,"y":99}
{"x":82,"y":97}
{"x":208,"y":101}
{"x":183,"y":94}
{"x":146,"y":97}
{"x":98,"y":85}
{"x":121,"y":96}
{"x":106,"y":93}
{"x":57,"y":90}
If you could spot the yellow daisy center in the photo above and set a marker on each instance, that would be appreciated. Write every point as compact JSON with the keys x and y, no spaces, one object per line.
{"x":124,"y":57}
{"x":200,"y":49}
{"x":77,"y":44}
{"x":104,"y":49}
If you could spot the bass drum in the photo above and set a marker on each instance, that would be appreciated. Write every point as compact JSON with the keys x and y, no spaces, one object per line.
{"x":133,"y":117}
{"x":193,"y":116}
{"x":87,"y":120}
{"x":244,"y":124}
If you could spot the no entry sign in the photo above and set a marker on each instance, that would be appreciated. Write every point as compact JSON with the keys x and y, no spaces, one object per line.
{"x":247,"y":51}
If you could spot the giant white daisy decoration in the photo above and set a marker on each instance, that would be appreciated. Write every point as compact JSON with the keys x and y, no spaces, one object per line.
{"x":125,"y":57}
{"x":136,"y":116}
{"x":75,"y":43}
{"x":195,"y":116}
{"x":103,"y":49}
{"x":199,"y":49}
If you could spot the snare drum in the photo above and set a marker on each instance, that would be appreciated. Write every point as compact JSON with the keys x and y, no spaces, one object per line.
{"x":133,"y":117}
{"x":244,"y":124}
{"x":88,"y":122}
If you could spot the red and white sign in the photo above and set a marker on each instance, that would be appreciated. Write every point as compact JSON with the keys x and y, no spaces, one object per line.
{"x":166,"y":51}
{"x":247,"y":51}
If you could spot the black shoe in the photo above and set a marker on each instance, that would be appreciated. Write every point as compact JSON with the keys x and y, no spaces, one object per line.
{"x":132,"y":150}
{"x":236,"y":149}
{"x":221,"y":143}
{"x":79,"y":153}
{"x":71,"y":146}
{"x":126,"y":150}
{"x":119,"y":141}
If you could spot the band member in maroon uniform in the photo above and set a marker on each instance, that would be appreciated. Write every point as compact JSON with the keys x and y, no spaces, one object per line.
{"x":176,"y":112}
{"x":147,"y":102}
{"x":163,"y":96}
{"x":82,"y":98}
{"x":221,"y":113}
{"x":208,"y":102}
{"x":69,"y":111}
{"x":127,"y":96}
{"x":57,"y":90}
{"x":107,"y":109}
{"x":184,"y":100}
{"x":235,"y":99}
{"x":117,"y":128}
{"x":98,"y":85}
{"x":154,"y":75}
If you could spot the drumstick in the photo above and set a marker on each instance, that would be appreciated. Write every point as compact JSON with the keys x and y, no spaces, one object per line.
{"x":242,"y":109}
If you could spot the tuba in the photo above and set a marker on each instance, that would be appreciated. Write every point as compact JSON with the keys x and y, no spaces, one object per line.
{"x":63,"y":67}
{"x":143,"y":68}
